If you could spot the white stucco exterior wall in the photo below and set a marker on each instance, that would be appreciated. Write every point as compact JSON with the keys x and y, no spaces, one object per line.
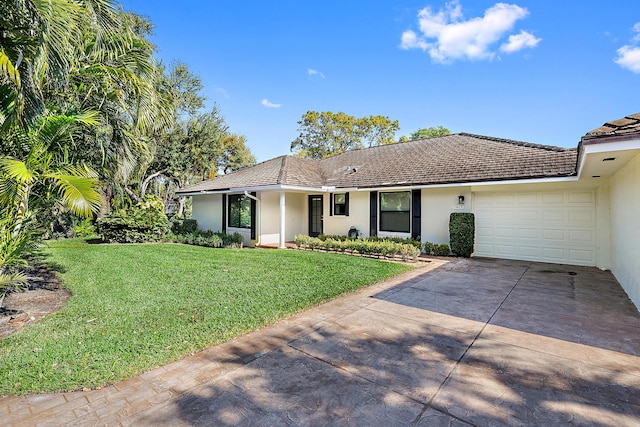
{"x":358,"y":215}
{"x":437,"y":206}
{"x":207,"y":210}
{"x":625,"y":227}
{"x":296,"y":217}
{"x":269,"y":217}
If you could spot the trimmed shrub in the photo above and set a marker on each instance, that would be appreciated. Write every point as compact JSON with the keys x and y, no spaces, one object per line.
{"x":380,"y":247}
{"x":181,"y":226}
{"x":210,"y":239}
{"x":401,"y":240}
{"x":436,"y":249}
{"x":441,"y":250}
{"x":428,"y":248}
{"x":145,"y":222}
{"x":461,"y":233}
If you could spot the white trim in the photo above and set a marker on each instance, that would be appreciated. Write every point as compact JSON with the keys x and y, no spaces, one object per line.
{"x":283,"y":210}
{"x":398,"y":188}
{"x":469,"y":184}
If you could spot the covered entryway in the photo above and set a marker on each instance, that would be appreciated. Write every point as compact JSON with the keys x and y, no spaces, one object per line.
{"x":549,"y":226}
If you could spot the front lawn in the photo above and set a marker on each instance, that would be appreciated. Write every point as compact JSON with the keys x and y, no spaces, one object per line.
{"x":135,"y":307}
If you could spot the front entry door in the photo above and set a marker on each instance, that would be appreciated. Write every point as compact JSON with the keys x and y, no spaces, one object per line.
{"x":315,"y":216}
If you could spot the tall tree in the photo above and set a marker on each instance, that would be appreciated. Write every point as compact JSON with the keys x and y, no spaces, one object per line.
{"x":32,"y":186}
{"x":37,"y":43}
{"x":426,"y":133}
{"x":235,"y":154}
{"x":323,"y":134}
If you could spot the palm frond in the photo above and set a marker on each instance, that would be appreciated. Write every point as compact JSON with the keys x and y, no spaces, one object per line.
{"x":7,"y":70}
{"x":16,"y":170}
{"x":77,"y":191}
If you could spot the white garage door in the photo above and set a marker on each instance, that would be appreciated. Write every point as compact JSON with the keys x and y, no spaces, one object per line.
{"x":558,"y":226}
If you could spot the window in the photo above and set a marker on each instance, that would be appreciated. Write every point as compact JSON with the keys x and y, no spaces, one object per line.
{"x":239,"y":211}
{"x":340,"y":204}
{"x":395,"y":212}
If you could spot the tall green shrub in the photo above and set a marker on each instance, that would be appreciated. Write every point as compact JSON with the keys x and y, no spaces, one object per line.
{"x":461,"y":233}
{"x":145,"y":222}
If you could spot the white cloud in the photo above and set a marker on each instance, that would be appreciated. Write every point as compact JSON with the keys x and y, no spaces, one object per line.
{"x":629,"y":58}
{"x":629,"y":55}
{"x":223,"y":92}
{"x":520,"y":41}
{"x":636,"y":29}
{"x":446,"y":36}
{"x":270,"y":104}
{"x":315,"y":73}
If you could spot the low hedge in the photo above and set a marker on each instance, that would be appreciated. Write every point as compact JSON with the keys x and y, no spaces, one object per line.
{"x":211,"y":239}
{"x":382,"y":247}
{"x":401,"y":240}
{"x":436,"y":249}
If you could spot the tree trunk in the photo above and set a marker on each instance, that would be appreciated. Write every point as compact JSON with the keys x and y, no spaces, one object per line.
{"x":133,"y":195}
{"x":147,"y":180}
{"x":181,"y":202}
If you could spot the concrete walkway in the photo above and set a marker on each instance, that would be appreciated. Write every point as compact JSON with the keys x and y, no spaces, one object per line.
{"x":471,"y":342}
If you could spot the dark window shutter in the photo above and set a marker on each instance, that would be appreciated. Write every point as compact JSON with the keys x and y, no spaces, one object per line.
{"x":224,"y":213}
{"x":253,"y":217}
{"x":373,"y":213}
{"x":331,"y":204}
{"x":346,"y":204}
{"x":416,"y":217}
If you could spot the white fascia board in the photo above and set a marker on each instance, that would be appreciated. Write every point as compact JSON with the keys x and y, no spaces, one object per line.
{"x":394,"y":188}
{"x":607,"y":145}
{"x":612,"y":147}
{"x":476,"y":183}
{"x":278,"y":187}
{"x":231,"y":190}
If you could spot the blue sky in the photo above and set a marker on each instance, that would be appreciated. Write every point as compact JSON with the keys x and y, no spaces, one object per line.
{"x":545,"y":72}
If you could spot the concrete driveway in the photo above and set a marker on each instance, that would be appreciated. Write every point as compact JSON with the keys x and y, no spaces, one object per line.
{"x":469,"y":342}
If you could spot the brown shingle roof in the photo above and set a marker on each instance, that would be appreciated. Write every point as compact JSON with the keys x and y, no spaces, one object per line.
{"x":449,"y":159}
{"x":285,"y":170}
{"x":625,"y":126}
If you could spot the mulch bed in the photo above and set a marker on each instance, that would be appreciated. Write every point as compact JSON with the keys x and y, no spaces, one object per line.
{"x":45,"y":294}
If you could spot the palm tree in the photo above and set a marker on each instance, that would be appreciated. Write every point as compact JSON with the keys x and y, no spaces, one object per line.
{"x":41,"y":180}
{"x":37,"y":41}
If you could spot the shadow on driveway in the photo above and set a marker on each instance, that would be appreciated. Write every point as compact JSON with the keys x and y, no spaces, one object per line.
{"x":479,"y":342}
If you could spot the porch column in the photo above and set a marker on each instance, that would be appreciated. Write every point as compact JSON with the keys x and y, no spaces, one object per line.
{"x":282,"y":220}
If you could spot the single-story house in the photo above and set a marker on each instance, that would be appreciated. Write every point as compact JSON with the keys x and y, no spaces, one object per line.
{"x":531,"y":202}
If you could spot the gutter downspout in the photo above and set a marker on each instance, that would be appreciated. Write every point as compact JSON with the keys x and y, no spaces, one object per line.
{"x":259,"y":222}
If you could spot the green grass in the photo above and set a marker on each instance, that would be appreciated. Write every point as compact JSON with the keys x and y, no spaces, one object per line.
{"x":135,"y":307}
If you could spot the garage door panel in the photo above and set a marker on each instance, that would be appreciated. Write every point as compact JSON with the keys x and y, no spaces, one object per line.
{"x":528,"y":199}
{"x":547,"y":226}
{"x":583,"y":236}
{"x":585,"y":216}
{"x":557,"y":235}
{"x":581,"y":197}
{"x":555,"y":216}
{"x":510,"y":232}
{"x":529,"y":251}
{"x":528,"y":233}
{"x":553,"y":254}
{"x":553,"y":198}
{"x":579,"y":256}
{"x":527,"y":215}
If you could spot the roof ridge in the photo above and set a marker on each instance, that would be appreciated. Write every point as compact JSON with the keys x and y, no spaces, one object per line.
{"x":283,"y":166}
{"x":515,"y":142}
